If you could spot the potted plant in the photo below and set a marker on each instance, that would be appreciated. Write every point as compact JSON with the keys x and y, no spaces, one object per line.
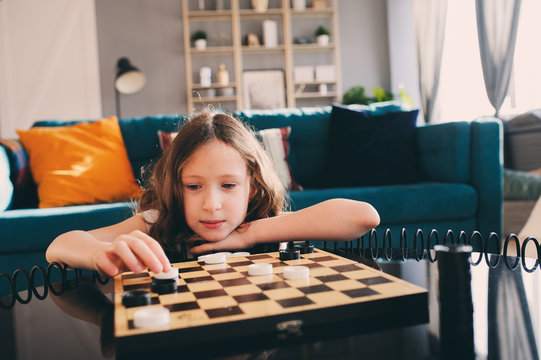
{"x":199,"y":39}
{"x":322,"y":35}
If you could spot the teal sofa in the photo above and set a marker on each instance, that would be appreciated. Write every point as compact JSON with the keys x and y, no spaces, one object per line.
{"x":460,"y":166}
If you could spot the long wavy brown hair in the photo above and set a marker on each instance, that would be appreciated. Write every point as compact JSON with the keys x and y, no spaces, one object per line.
{"x":164,"y":191}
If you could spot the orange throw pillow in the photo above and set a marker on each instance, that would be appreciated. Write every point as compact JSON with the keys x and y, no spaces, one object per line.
{"x":84,"y":163}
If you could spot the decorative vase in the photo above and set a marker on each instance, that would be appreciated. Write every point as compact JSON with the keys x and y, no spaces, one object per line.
{"x":323,"y":40}
{"x":223,"y":75}
{"x":200,"y":44}
{"x":299,"y":5}
{"x":260,"y":5}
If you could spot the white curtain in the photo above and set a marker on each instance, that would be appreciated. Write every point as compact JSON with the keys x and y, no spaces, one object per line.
{"x":497,"y":24}
{"x":429,"y":18}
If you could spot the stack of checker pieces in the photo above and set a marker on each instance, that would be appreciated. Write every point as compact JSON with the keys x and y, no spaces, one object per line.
{"x":221,"y":302}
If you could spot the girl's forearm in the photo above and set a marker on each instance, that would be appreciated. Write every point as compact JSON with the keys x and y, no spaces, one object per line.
{"x":75,"y":249}
{"x":336,"y":219}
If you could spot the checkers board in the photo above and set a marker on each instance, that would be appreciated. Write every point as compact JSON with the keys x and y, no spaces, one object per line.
{"x":221,"y":301}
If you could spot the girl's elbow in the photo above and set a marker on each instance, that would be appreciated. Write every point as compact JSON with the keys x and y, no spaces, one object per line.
{"x":370,"y":217}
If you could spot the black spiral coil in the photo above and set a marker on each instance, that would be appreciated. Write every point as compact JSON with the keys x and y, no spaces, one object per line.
{"x":46,"y":274}
{"x":366,"y":246}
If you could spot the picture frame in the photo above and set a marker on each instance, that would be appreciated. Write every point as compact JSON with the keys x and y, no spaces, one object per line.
{"x":263,"y":89}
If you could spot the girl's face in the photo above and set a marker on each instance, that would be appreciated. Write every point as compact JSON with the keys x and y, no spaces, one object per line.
{"x":216,"y":190}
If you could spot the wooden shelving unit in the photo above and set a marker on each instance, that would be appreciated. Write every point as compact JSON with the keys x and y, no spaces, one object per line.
{"x":234,"y":52}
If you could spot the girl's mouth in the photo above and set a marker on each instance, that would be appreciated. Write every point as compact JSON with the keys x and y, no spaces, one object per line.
{"x":212,"y":224}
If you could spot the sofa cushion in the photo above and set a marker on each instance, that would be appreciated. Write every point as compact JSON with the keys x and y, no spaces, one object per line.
{"x":6,"y":186}
{"x":367,"y":150}
{"x":79,"y":164}
{"x":308,"y":140}
{"x":403,"y":203}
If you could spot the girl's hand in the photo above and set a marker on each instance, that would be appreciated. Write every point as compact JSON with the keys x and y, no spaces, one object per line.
{"x":237,"y":240}
{"x":134,"y":251}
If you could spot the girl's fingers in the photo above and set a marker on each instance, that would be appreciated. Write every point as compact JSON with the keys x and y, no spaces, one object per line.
{"x":157,"y":249}
{"x":125,"y":253}
{"x":141,"y":249}
{"x":106,"y":265}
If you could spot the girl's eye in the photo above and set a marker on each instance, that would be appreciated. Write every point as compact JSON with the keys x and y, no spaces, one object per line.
{"x":228,"y":186}
{"x":192,"y":187}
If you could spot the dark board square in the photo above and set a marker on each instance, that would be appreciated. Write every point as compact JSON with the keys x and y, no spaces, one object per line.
{"x":374,"y":280}
{"x":234,"y":282}
{"x":209,"y":293}
{"x":298,"y":301}
{"x":232,"y":310}
{"x":198,"y":279}
{"x":221,"y":271}
{"x":273,"y":285}
{"x":279,"y":264}
{"x":130,"y":325}
{"x":334,"y":277}
{"x":315,"y":289}
{"x":312,"y":265}
{"x":258,"y":257}
{"x":190,"y":305}
{"x":355,"y":293}
{"x":250,"y":297}
{"x":346,"y":268}
{"x":190,"y":269}
{"x":240,"y":263}
{"x":182,"y":288}
{"x":137,"y":287}
{"x":154,"y":300}
{"x":323,"y":258}
{"x":135,"y":276}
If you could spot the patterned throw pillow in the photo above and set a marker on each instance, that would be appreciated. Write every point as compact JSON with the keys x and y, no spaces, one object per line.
{"x":274,"y":141}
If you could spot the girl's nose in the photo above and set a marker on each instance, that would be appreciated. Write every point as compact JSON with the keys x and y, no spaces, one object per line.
{"x":212,"y":200}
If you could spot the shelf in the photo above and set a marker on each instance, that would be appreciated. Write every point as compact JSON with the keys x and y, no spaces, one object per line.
{"x":237,"y":20}
{"x":312,"y":47}
{"x":316,"y":95}
{"x":213,"y":86}
{"x":210,"y":15}
{"x":214,"y":99}
{"x":212,"y":50}
{"x":312,"y":12}
{"x":261,"y":49}
{"x":270,"y":13}
{"x":309,"y":83}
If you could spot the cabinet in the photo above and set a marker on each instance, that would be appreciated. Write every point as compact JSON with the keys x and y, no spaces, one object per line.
{"x":227,"y":30}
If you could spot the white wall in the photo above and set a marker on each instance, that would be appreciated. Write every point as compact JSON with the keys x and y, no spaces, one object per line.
{"x":48,"y":62}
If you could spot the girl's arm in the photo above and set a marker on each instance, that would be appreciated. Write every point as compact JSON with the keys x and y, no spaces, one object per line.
{"x":333,"y":220}
{"x":112,"y":249}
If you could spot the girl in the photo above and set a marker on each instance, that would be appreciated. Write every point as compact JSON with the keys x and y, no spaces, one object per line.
{"x":214,"y":188}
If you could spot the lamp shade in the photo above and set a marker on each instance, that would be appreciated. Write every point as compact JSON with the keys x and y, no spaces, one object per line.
{"x":129,"y":79}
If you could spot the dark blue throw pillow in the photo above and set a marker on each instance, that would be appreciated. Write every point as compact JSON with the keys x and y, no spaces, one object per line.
{"x":371,"y":150}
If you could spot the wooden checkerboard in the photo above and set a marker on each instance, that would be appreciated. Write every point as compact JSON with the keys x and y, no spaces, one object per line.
{"x":223,"y":300}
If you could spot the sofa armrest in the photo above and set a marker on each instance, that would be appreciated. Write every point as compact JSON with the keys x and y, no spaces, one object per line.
{"x":487,"y":173}
{"x":444,"y":152}
{"x":467,"y":152}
